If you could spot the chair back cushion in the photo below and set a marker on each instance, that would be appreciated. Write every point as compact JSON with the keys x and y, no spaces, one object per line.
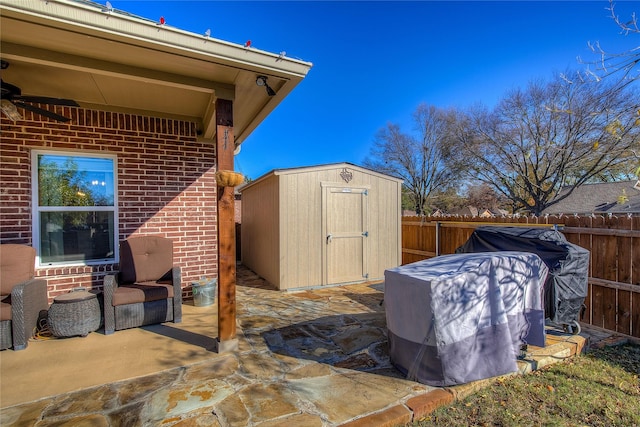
{"x":145,"y":259}
{"x":17,"y":265}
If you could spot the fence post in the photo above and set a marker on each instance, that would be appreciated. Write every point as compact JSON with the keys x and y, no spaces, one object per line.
{"x":437,"y":238}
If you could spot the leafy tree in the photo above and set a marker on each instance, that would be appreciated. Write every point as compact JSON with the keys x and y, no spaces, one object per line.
{"x":419,"y":158}
{"x":66,"y":185}
{"x":563,"y":133}
{"x":62,"y":186}
{"x":448,"y":200}
{"x":406,"y":201}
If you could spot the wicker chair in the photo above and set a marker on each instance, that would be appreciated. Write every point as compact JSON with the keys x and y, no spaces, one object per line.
{"x":147,"y":289}
{"x":23,"y":299}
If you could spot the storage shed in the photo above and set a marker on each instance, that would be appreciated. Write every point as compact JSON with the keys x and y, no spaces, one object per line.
{"x":321,"y":225}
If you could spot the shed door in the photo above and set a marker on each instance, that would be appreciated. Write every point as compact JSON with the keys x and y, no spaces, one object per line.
{"x":345,"y":236}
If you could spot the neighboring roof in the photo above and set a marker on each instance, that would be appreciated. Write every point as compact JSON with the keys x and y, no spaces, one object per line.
{"x":112,"y":60}
{"x":466,"y":211}
{"x":599,"y":198}
{"x":492,"y":212}
{"x":302,"y":169}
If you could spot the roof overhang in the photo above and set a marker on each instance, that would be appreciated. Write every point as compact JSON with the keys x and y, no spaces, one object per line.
{"x":113,"y":61}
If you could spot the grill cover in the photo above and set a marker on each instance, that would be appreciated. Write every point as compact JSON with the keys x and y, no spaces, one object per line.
{"x":459,"y":318}
{"x":568,"y":264}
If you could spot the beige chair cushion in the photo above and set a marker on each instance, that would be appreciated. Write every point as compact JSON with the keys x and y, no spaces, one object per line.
{"x":5,"y":311}
{"x":141,"y":292}
{"x":17,"y":265}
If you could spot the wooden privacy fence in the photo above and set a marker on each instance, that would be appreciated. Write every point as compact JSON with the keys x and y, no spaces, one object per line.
{"x":613,"y":300}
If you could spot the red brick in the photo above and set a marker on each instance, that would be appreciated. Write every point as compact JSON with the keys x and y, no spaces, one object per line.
{"x":161,"y":169}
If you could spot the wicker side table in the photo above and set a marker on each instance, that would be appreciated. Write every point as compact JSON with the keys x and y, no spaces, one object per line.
{"x":75,"y":313}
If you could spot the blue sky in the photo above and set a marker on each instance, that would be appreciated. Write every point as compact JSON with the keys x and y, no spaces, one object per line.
{"x":375,"y":62}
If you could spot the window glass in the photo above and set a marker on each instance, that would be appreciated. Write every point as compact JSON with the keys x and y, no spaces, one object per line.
{"x":75,"y":181}
{"x":75,"y":236}
{"x":75,"y":218}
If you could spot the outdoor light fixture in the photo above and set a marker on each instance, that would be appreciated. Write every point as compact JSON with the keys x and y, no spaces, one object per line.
{"x":10,"y":110}
{"x":262,"y":81}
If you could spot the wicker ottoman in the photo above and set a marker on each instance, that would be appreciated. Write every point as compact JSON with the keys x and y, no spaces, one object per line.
{"x":74,"y":313}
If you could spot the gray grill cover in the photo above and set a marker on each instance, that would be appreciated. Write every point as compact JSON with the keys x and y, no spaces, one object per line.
{"x":459,"y":318}
{"x":568,"y":264}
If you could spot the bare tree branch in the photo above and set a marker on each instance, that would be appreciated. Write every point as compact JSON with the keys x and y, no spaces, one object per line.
{"x":610,"y":63}
{"x":563,"y":133}
{"x":418,"y":158}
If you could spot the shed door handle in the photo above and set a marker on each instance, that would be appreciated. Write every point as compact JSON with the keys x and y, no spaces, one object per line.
{"x":329,"y":237}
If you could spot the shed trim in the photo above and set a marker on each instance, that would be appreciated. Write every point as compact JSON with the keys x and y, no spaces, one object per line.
{"x":295,"y":170}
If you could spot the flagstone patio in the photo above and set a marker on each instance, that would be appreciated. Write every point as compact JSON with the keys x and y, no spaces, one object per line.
{"x":311,"y":358}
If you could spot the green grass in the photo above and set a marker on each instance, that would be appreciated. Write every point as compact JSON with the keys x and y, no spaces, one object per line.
{"x":600,"y":388}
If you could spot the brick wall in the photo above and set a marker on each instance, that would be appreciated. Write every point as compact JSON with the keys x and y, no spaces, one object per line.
{"x":166,"y":185}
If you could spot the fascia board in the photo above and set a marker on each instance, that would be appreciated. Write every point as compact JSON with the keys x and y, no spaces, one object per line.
{"x":77,"y":17}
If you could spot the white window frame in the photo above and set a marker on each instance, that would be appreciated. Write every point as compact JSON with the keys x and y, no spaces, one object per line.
{"x":36,"y":209}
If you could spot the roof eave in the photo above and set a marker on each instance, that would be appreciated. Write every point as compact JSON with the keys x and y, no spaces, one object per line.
{"x":120,"y":27}
{"x":114,"y":29}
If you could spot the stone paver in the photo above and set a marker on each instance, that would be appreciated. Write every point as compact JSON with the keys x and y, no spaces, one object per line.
{"x":426,"y":403}
{"x":312,"y":358}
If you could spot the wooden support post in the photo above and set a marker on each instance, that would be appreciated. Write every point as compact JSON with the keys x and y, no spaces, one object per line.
{"x":227,"y":340}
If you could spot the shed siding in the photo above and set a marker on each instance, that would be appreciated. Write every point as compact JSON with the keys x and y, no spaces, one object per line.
{"x":260,"y":229}
{"x":298,"y":225}
{"x":385,"y":229}
{"x":301,"y":218}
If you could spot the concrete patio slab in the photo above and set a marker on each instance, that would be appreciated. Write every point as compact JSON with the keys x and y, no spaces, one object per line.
{"x":310,"y":358}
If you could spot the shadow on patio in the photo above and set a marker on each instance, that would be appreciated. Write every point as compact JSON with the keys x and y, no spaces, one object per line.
{"x":314,"y":358}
